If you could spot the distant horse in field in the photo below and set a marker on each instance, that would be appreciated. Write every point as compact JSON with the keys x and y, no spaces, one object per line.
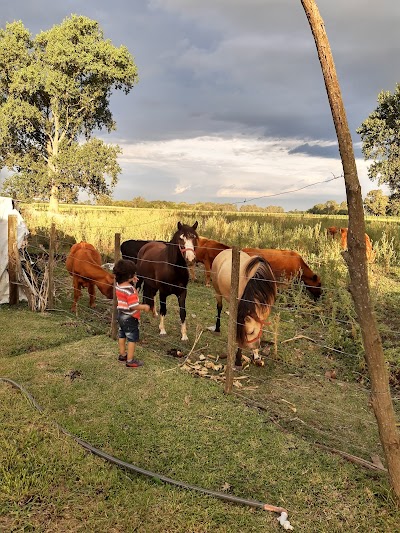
{"x":130,"y":248}
{"x":163,"y":267}
{"x":332,"y":231}
{"x":257,"y":293}
{"x":84,"y":265}
{"x":287,"y":264}
{"x":368,"y":244}
{"x":206,"y":251}
{"x":342,"y":232}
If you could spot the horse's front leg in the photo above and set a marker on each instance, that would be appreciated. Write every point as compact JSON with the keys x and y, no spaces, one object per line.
{"x":77,"y":293}
{"x":92,"y":295}
{"x":182,"y":314}
{"x":163,"y":312}
{"x":207,"y":272}
{"x":192,"y":272}
{"x":219,"y":309}
{"x":148,"y":298}
{"x":238,"y":359}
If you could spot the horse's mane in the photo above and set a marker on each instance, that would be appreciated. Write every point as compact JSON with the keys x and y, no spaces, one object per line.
{"x":259,"y":291}
{"x":174,"y":256}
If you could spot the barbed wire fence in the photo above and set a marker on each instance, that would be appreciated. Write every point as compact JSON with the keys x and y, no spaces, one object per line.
{"x":293,"y":303}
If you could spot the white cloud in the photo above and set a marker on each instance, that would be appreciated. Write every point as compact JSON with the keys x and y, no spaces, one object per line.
{"x":240,"y":168}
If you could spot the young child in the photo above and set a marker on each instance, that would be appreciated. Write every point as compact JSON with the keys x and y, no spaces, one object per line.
{"x":129,"y":308}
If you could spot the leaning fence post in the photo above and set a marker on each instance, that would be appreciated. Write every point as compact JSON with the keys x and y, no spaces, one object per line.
{"x":117,"y":255}
{"x":13,"y":294}
{"x":52,"y":246}
{"x":232,"y":324}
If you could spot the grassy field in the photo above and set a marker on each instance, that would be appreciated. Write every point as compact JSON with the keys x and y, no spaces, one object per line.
{"x":172,"y":418}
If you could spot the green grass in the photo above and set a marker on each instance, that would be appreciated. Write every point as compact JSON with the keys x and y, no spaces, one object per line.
{"x":260,"y":442}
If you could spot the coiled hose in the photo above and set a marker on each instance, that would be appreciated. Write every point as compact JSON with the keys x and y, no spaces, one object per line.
{"x":133,"y":468}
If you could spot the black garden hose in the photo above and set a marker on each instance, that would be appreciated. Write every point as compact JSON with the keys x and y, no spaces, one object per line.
{"x":133,"y":468}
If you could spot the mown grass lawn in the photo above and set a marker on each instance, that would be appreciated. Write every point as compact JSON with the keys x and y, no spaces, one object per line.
{"x":259,"y":444}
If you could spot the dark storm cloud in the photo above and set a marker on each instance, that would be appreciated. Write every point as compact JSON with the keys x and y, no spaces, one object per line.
{"x":321,"y":151}
{"x":232,"y":69}
{"x":224,"y":65}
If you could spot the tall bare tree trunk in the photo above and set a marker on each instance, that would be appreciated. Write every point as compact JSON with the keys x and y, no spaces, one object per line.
{"x":356,"y":258}
{"x":53,"y":203}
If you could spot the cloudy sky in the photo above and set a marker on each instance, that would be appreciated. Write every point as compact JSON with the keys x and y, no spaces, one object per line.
{"x":231,"y":103}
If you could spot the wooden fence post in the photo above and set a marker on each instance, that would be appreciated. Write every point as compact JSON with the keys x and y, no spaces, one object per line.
{"x":232,"y":324}
{"x":52,"y":246}
{"x":13,"y":296}
{"x":117,"y":256}
{"x":381,"y":399}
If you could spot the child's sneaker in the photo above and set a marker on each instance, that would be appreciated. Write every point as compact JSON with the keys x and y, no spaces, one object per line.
{"x":134,"y":363}
{"x":122,"y":358}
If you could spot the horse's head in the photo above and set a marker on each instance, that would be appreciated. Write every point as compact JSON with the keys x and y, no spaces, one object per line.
{"x":256,"y":302}
{"x":186,"y":238}
{"x":252,"y":330}
{"x":313,"y":285}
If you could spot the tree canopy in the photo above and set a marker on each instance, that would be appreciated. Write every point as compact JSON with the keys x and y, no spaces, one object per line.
{"x":330,"y":207}
{"x":54,"y":94}
{"x":376,"y":203}
{"x":380,"y":135}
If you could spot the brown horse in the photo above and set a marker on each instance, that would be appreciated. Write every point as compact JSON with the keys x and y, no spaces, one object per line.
{"x":163,"y":267}
{"x":333,"y":231}
{"x":84,"y":265}
{"x":206,"y":251}
{"x":368,"y":244}
{"x":287,"y":264}
{"x":257,"y":293}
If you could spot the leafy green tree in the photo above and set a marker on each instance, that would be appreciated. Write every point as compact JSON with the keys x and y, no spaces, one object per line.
{"x":330,"y":207}
{"x":380,"y":134}
{"x":376,"y":202}
{"x":54,"y":94}
{"x":343,"y":209}
{"x":393,"y":208}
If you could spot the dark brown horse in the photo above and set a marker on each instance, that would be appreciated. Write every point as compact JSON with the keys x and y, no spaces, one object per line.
{"x":257,"y":293}
{"x":163,"y":267}
{"x":130,"y":248}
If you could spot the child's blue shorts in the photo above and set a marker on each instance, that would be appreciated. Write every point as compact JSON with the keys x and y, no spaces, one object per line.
{"x":128,"y":327}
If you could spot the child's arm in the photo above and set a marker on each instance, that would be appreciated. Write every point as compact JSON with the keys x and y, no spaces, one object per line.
{"x":142,"y":307}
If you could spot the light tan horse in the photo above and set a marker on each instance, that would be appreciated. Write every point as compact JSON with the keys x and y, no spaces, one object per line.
{"x":257,"y":293}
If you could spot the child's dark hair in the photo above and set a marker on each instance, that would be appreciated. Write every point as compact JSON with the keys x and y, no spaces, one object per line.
{"x":124,"y":270}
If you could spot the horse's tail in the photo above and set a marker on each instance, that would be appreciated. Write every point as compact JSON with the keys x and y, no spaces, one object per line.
{"x":260,"y":291}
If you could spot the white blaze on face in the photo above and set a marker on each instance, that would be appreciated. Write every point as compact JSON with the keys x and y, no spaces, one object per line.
{"x":188,"y":246}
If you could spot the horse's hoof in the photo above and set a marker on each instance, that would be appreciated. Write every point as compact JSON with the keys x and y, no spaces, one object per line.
{"x":163,"y":332}
{"x":238,"y":367}
{"x":185,"y":338}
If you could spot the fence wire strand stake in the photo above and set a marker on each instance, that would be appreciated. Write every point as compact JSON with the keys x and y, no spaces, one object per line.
{"x":233,"y":311}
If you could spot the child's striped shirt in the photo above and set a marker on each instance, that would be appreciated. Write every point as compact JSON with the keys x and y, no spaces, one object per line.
{"x":127,"y":300}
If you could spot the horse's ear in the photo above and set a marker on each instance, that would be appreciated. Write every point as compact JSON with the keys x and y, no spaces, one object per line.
{"x":195,"y":225}
{"x":179,"y":226}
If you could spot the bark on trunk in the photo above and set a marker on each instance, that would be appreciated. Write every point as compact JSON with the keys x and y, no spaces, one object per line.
{"x":356,"y":259}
